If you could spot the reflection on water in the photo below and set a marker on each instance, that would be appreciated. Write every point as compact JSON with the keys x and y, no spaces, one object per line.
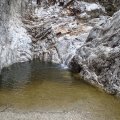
{"x":35,"y":85}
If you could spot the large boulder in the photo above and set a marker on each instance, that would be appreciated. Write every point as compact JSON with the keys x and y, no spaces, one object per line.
{"x":99,"y":57}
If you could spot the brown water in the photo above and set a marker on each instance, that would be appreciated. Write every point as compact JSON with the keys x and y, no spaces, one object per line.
{"x":45,"y":86}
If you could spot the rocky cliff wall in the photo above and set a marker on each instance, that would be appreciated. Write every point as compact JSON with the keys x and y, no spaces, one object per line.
{"x":18,"y":45}
{"x":14,"y":39}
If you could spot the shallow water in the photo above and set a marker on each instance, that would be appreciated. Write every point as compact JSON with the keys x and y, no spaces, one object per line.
{"x":45,"y":87}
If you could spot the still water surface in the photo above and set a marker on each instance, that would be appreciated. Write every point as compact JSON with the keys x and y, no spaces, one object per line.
{"x":45,"y":86}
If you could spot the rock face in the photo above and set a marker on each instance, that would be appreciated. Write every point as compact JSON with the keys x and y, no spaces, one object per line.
{"x":98,"y":59}
{"x":44,"y":44}
{"x":69,"y":31}
{"x":50,"y":36}
{"x":14,"y":41}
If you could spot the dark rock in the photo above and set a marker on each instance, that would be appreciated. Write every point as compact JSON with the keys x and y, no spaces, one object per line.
{"x":74,"y":66}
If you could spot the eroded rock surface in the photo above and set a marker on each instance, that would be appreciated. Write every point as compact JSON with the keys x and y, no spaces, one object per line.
{"x":99,"y":57}
{"x":14,"y":41}
{"x":52,"y":33}
{"x":70,"y":31}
